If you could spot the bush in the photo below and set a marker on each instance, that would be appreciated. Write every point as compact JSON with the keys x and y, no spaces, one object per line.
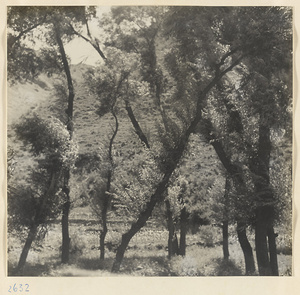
{"x":227,"y":268}
{"x":77,"y":244}
{"x":209,"y":235}
{"x":184,"y":266}
{"x":284,"y":244}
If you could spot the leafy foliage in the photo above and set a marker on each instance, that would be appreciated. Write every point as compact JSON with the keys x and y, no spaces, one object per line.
{"x":40,"y":199}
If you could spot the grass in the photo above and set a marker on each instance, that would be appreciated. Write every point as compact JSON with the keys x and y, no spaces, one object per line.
{"x":146,"y":254}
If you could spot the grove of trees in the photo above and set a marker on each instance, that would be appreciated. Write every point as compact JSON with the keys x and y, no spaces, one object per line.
{"x":199,"y":101}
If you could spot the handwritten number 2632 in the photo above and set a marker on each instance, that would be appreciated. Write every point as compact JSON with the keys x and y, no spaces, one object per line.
{"x":15,"y":288}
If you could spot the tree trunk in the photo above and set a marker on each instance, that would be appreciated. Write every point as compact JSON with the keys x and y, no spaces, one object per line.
{"x":172,"y":239}
{"x":225,"y":221}
{"x":261,"y":244}
{"x":264,"y":233}
{"x":69,"y":111}
{"x":176,"y":155}
{"x":143,"y":217}
{"x":104,"y":219}
{"x":183,"y":231}
{"x":225,"y":240}
{"x":106,"y":200}
{"x":102,"y":240}
{"x":65,"y":231}
{"x":36,"y":222}
{"x":246,"y":247}
{"x":273,"y":251}
{"x":31,"y":236}
{"x":136,"y":125}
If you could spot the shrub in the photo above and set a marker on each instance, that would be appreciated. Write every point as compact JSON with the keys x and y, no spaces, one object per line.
{"x":209,"y":235}
{"x":227,"y":268}
{"x":184,"y":266}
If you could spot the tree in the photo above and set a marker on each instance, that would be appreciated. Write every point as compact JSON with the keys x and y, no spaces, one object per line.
{"x":174,"y":156}
{"x":33,"y":205}
{"x":24,"y":23}
{"x":262,"y":40}
{"x":114,"y":83}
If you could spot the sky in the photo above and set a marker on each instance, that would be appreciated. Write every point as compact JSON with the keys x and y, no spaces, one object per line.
{"x":79,"y":50}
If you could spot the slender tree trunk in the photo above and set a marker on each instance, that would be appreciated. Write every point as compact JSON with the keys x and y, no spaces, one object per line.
{"x":69,"y":111}
{"x":136,"y":125}
{"x":65,"y":228}
{"x":183,"y":231}
{"x":246,"y":247}
{"x":225,"y":221}
{"x":33,"y":229}
{"x":141,"y":221}
{"x":173,"y":248}
{"x":225,"y":240}
{"x":172,"y":239}
{"x":106,"y":200}
{"x":30,"y":238}
{"x":104,"y":216}
{"x":102,"y":236}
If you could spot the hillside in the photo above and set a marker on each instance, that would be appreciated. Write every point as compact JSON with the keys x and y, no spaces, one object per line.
{"x":200,"y":167}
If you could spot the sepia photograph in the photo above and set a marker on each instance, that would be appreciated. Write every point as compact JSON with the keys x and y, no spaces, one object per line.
{"x":149,"y":141}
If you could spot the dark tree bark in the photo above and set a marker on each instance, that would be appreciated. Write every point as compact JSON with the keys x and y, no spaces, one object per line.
{"x":90,"y":40}
{"x":104,"y":230}
{"x":273,"y":251}
{"x":264,"y":230}
{"x":65,"y":227}
{"x":261,"y":244}
{"x":172,"y":238}
{"x":183,"y":231}
{"x":225,"y":240}
{"x":136,"y":125}
{"x":106,"y":200}
{"x":141,"y":221}
{"x":69,"y":111}
{"x":259,"y":166}
{"x":225,"y":221}
{"x":105,"y":205}
{"x":246,"y":247}
{"x":37,"y":220}
{"x":30,"y":238}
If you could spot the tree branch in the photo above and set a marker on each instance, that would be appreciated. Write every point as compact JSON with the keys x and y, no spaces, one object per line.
{"x":14,"y":39}
{"x":94,"y":43}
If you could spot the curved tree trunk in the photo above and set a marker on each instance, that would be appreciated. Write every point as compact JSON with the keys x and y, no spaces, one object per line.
{"x":143,"y":217}
{"x":106,"y":200}
{"x":34,"y":227}
{"x":30,"y":238}
{"x":246,"y":247}
{"x":175,"y":158}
